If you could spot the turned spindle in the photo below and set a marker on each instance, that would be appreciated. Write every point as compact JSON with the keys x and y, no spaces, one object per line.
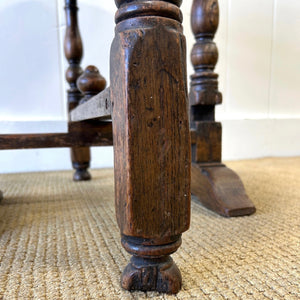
{"x":151,"y":140}
{"x":204,"y":94}
{"x":90,"y":83}
{"x":80,"y":156}
{"x":217,"y":187}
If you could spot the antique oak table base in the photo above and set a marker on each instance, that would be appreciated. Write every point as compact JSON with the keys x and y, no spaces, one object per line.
{"x":143,"y":114}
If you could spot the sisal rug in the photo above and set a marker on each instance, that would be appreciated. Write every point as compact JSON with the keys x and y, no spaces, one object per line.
{"x":60,"y":240}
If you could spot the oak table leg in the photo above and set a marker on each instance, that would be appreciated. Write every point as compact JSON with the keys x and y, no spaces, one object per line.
{"x":217,"y":187}
{"x":80,"y":156}
{"x":151,"y":140}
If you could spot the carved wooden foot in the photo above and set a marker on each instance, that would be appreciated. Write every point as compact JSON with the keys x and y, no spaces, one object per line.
{"x":220,"y":189}
{"x":159,"y":274}
{"x":154,"y":269}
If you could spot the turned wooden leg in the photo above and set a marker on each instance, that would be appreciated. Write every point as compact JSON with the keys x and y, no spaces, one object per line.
{"x":1,"y":195}
{"x":80,"y":156}
{"x":151,"y":140}
{"x":89,"y":83}
{"x":216,"y":186}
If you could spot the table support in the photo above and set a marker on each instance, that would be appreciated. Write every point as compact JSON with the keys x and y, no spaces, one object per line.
{"x":216,"y":186}
{"x":151,"y":140}
{"x":80,"y":156}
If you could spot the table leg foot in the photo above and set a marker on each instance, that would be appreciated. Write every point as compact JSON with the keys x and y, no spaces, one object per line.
{"x":81,"y":174}
{"x":157,"y":274}
{"x":220,"y":189}
{"x":81,"y":162}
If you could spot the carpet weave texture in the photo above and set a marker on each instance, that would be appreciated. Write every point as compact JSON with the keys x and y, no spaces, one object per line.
{"x":60,"y":240}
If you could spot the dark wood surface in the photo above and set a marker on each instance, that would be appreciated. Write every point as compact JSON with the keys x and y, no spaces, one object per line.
{"x":217,"y":187}
{"x":207,"y":145}
{"x":221,"y":190}
{"x":204,"y":56}
{"x":81,"y":134}
{"x":151,"y":140}
{"x":90,"y":83}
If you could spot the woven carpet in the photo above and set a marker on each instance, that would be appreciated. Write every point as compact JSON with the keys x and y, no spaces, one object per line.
{"x":60,"y":240}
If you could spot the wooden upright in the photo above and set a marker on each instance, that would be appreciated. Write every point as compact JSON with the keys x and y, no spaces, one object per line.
{"x":217,"y":187}
{"x":151,"y":140}
{"x":80,"y":156}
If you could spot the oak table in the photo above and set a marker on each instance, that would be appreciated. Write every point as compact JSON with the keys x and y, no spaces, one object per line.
{"x":144,"y":115}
